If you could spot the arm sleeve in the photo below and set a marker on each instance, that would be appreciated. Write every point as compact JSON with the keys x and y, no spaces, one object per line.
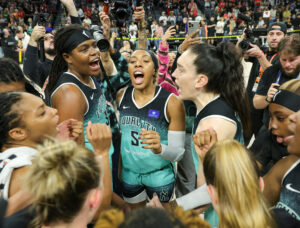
{"x":194,"y":199}
{"x":75,"y":20}
{"x":33,"y":66}
{"x":174,"y":151}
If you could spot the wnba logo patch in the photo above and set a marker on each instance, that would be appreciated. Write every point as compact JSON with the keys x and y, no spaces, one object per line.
{"x":153,"y":113}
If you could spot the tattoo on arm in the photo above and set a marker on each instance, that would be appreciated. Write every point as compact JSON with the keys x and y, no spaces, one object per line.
{"x":142,"y":42}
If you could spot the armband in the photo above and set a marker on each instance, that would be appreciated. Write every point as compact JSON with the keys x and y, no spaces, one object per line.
{"x":196,"y":198}
{"x":174,"y":151}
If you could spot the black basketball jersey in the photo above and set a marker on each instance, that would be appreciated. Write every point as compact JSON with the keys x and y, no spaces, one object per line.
{"x":290,"y":191}
{"x":217,"y":108}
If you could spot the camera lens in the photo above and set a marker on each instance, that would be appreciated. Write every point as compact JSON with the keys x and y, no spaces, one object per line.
{"x":244,"y":45}
{"x":102,"y":42}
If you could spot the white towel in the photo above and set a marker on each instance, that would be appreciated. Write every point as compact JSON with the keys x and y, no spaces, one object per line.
{"x":11,"y":159}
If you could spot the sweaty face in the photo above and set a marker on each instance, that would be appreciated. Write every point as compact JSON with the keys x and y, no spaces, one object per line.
{"x":186,"y":76}
{"x":39,"y":120}
{"x":279,"y":121}
{"x":294,"y":139}
{"x":290,"y":64}
{"x":84,"y":59}
{"x":274,"y":36}
{"x":141,"y":69}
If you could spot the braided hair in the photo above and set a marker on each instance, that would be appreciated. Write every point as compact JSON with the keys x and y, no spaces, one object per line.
{"x":10,"y":71}
{"x":59,"y":65}
{"x":9,"y":117}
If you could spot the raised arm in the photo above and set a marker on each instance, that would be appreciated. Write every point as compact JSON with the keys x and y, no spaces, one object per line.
{"x":139,"y":16}
{"x":32,"y":63}
{"x":106,"y":59}
{"x":99,"y":135}
{"x":163,"y":54}
{"x":71,"y":8}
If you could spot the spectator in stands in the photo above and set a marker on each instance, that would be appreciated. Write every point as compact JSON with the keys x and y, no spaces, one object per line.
{"x":211,"y":29}
{"x":87,"y":21}
{"x":193,"y":9}
{"x":220,"y":27}
{"x":171,"y":19}
{"x":133,"y":29}
{"x":163,"y":19}
{"x":261,"y":23}
{"x":159,"y":32}
{"x":286,"y":13}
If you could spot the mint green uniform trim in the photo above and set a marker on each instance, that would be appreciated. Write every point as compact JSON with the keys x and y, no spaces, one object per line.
{"x":154,"y":179}
{"x":211,"y":216}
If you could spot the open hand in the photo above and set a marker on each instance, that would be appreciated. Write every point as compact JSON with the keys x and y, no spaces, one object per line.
{"x":105,"y":21}
{"x":190,"y":40}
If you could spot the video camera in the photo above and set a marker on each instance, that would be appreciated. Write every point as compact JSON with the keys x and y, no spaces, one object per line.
{"x":120,"y":12}
{"x":251,"y":34}
{"x":41,"y":19}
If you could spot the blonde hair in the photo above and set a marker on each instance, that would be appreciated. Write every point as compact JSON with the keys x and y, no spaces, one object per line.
{"x":292,"y":86}
{"x":231,"y":169}
{"x":60,"y":178}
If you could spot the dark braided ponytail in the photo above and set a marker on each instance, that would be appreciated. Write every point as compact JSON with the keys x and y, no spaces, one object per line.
{"x":10,"y":71}
{"x":9,"y":117}
{"x":59,"y":65}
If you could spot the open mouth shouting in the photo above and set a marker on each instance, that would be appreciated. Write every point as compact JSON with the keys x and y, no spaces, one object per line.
{"x":138,"y":77}
{"x":95,"y":64}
